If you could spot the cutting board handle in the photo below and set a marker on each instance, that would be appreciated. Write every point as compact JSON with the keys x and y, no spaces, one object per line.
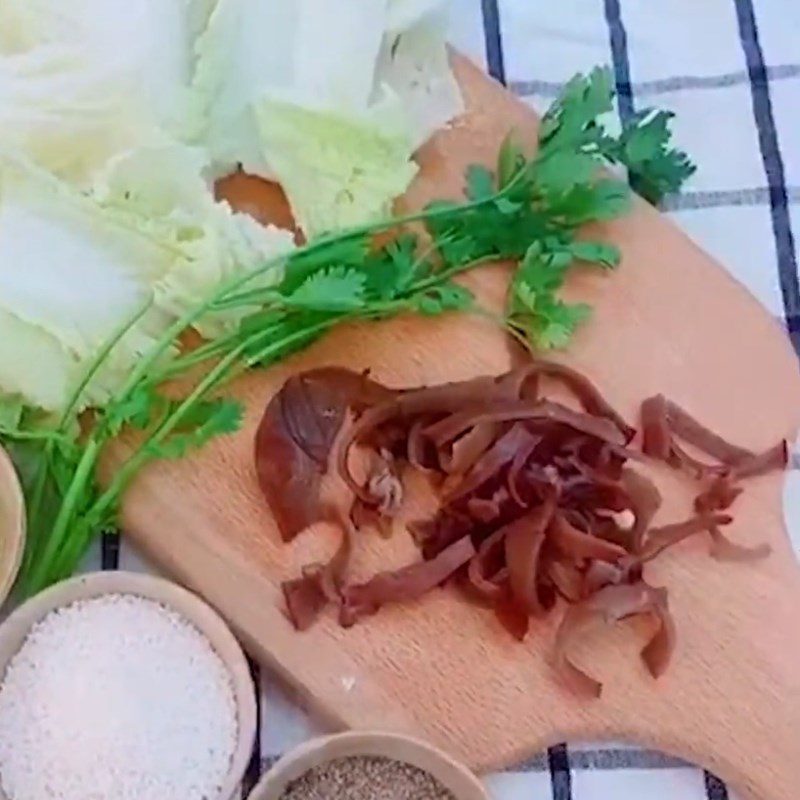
{"x":746,"y":727}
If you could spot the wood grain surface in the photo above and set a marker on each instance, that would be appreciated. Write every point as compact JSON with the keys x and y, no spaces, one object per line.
{"x":670,"y":320}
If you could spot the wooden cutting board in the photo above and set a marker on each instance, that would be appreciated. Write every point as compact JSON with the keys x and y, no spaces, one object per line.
{"x":671,"y":321}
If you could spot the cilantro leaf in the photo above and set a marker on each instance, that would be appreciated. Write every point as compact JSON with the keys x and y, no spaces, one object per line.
{"x":572,"y":130}
{"x":557,"y":323}
{"x":348,"y":251}
{"x":507,"y":207}
{"x":270,"y":336}
{"x":603,"y":200}
{"x":602,"y":253}
{"x":480,"y":182}
{"x":542,"y":272}
{"x":204,"y":421}
{"x":260,"y":321}
{"x":534,"y":310}
{"x":333,"y":289}
{"x":644,"y":135}
{"x":402,"y":252}
{"x":503,"y":229}
{"x":510,"y":161}
{"x":571,"y":121}
{"x":563,"y":170}
{"x":135,"y":410}
{"x":655,"y":168}
{"x":547,"y":322}
{"x":392,"y":270}
{"x":442,"y":297}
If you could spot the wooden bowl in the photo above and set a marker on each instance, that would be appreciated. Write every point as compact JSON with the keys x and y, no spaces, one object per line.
{"x":451,"y":774}
{"x":12,"y":525}
{"x":15,"y":629}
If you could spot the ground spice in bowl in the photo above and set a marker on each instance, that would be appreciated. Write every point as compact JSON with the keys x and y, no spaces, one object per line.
{"x":366,"y":778}
{"x":116,"y":697}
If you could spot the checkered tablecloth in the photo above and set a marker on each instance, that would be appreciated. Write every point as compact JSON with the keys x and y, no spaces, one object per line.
{"x":731,"y":71}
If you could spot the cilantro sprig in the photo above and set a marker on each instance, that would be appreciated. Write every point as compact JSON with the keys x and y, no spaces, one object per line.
{"x":536,"y":207}
{"x":527,"y":211}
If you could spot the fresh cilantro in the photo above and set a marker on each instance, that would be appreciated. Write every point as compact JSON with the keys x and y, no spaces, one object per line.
{"x":534,"y":310}
{"x":333,"y":289}
{"x":403,"y":252}
{"x":655,"y":169}
{"x":348,"y":251}
{"x":602,"y":253}
{"x":562,"y":171}
{"x":557,"y":321}
{"x":392,"y":270}
{"x":136,"y":410}
{"x":544,"y":321}
{"x":205,"y":421}
{"x":507,"y":207}
{"x":603,"y":200}
{"x":282,"y":333}
{"x":543,"y":270}
{"x":571,"y":123}
{"x":510,"y":161}
{"x":443,"y":297}
{"x":502,"y":229}
{"x":480,"y":182}
{"x":572,"y":129}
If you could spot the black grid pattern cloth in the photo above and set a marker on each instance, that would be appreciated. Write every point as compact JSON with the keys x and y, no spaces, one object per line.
{"x":730,"y":69}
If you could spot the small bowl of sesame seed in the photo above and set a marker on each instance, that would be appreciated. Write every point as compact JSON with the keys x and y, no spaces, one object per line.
{"x":122,"y":686}
{"x":12,"y":525}
{"x":368,"y":765}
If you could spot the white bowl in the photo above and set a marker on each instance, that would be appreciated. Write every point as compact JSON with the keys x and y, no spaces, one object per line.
{"x":12,"y":525}
{"x":14,"y":631}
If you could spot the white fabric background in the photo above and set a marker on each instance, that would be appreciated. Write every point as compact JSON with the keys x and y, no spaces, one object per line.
{"x":736,"y":90}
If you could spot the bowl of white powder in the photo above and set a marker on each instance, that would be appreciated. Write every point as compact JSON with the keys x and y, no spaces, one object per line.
{"x":121,"y":686}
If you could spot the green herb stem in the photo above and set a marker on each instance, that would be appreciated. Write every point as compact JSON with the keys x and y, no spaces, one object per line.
{"x":225,"y":370}
{"x":83,"y":473}
{"x":110,"y":497}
